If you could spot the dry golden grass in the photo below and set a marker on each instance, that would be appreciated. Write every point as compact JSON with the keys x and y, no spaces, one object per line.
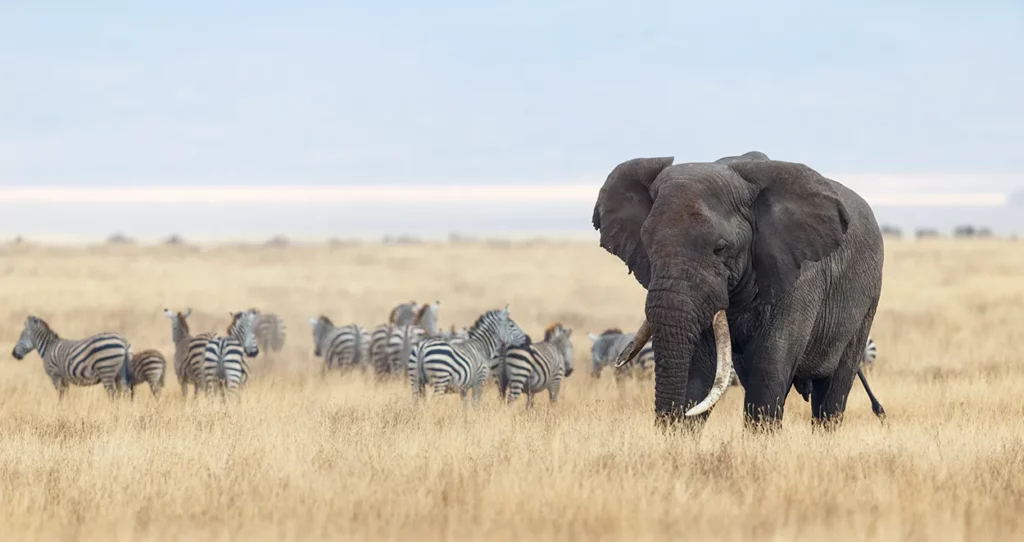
{"x":302,"y":458}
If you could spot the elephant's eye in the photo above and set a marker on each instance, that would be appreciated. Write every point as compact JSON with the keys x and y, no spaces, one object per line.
{"x":720,"y":247}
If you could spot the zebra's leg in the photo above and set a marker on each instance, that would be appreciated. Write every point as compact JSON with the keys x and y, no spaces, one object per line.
{"x":529,"y":399}
{"x":553,"y":391}
{"x":60,"y":386}
{"x":478,"y":392}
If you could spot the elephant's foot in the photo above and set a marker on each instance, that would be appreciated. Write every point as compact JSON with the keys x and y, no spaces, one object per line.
{"x":676,"y":420}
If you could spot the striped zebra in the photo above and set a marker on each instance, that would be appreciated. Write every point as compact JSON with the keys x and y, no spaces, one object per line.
{"x":535,"y":367}
{"x":870,"y":353}
{"x":447,"y":367}
{"x":403,"y":314}
{"x":189,"y":353}
{"x":426,"y":318}
{"x":607,"y":346}
{"x":81,"y":362}
{"x":224,"y":365}
{"x":379,"y":349}
{"x":402,"y":339}
{"x":341,"y":347}
{"x":400,"y":344}
{"x":148,"y":366}
{"x":270,"y":331}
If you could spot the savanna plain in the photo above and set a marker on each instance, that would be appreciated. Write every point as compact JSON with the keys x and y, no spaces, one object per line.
{"x":305,"y":457}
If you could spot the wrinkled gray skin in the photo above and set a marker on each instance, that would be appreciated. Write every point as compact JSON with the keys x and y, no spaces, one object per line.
{"x":795,"y":260}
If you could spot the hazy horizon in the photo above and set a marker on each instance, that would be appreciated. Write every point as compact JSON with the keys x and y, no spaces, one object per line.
{"x":190,"y":117}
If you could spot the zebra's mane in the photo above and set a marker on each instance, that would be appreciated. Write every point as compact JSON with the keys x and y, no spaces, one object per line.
{"x":234,"y":320}
{"x":326,"y":320}
{"x":46,"y":327}
{"x":419,"y":314}
{"x":484,"y":316}
{"x":551,"y":329}
{"x":612,"y":331}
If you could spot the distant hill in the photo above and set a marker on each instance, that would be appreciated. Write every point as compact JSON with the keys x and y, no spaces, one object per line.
{"x":1017,"y":198}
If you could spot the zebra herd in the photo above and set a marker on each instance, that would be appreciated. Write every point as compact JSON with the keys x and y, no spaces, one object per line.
{"x":408,"y":345}
{"x":209,"y":361}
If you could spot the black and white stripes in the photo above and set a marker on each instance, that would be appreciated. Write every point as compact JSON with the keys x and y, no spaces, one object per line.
{"x":342,"y":347}
{"x":224,"y":367}
{"x":535,"y":367}
{"x":189,"y":353}
{"x":83,"y":362}
{"x":447,"y":367}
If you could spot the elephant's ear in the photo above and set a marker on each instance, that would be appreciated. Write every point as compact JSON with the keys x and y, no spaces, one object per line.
{"x":622,"y":207}
{"x":798,"y":218}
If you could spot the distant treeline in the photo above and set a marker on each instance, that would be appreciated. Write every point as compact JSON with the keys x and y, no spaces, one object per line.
{"x":961,"y":231}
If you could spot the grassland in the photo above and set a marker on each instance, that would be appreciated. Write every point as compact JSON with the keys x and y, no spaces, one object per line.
{"x":350,"y":458}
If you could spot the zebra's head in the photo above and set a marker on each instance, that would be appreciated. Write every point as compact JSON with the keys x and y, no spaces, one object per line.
{"x":34,"y":329}
{"x":561,"y":337}
{"x":601,"y":348}
{"x":495,"y":325}
{"x":179,"y":324}
{"x":426,"y":317}
{"x":243,"y":329}
{"x":321,"y":326}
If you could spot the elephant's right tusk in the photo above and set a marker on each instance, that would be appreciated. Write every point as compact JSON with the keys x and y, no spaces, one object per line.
{"x":723,"y":370}
{"x":635,"y":346}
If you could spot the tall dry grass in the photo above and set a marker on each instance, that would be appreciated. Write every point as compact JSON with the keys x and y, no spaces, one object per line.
{"x":302,"y":458}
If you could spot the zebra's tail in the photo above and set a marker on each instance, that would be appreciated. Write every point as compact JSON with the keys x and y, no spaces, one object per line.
{"x":125,"y":376}
{"x":417,"y":372}
{"x":357,"y":356}
{"x":221,"y":373}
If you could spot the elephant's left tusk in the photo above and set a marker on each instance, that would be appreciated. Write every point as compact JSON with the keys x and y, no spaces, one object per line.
{"x":636,"y":345}
{"x":723,"y":370}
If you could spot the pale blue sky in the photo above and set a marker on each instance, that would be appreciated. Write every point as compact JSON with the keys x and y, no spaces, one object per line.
{"x":419,"y":92}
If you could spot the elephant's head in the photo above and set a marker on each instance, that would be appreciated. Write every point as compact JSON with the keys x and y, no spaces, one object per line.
{"x":704,"y":238}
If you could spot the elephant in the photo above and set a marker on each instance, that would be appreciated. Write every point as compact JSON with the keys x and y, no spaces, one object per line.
{"x":756,"y":267}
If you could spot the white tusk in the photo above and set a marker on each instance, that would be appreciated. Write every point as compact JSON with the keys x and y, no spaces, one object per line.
{"x":636,"y":345}
{"x":723,"y":370}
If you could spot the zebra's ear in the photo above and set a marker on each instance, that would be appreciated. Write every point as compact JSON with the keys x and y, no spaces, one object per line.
{"x":312,"y":321}
{"x":593,"y":337}
{"x":169,"y":314}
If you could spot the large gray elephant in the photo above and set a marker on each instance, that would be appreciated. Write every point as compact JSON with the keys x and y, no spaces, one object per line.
{"x":772,"y":266}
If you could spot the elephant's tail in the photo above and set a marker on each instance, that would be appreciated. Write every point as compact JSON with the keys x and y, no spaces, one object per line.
{"x":876,"y":407}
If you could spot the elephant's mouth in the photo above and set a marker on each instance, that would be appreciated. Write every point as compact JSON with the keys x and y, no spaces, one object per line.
{"x":723,"y":351}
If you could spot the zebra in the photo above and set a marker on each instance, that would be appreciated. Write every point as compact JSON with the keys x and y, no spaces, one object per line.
{"x":224,"y":366}
{"x":270,"y":333}
{"x":426,"y":318}
{"x":402,"y":339}
{"x":146,"y":366}
{"x":189,"y":353}
{"x":82,"y":362}
{"x":340,"y":346}
{"x":870,"y":353}
{"x":607,"y":346}
{"x":400,"y":343}
{"x":460,"y":367}
{"x":379,"y":349}
{"x":403,"y":314}
{"x":535,"y":367}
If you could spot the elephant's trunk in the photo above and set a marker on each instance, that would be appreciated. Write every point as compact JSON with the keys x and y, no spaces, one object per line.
{"x":723,"y":369}
{"x":675,"y":328}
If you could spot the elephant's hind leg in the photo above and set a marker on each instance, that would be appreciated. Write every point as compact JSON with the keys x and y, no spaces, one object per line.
{"x":829,"y":395}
